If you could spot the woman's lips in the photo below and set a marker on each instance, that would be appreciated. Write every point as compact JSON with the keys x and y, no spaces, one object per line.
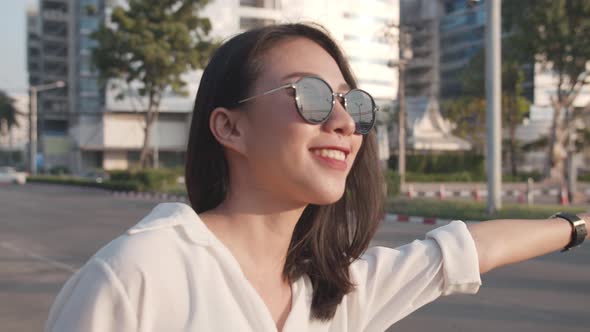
{"x":332,"y":158}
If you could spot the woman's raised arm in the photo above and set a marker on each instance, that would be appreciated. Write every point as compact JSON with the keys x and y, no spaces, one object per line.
{"x":502,"y":242}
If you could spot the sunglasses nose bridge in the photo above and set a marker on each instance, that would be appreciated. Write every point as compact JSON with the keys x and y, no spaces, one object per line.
{"x":340,"y":97}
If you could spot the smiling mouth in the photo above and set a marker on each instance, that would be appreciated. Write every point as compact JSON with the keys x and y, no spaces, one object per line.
{"x":331,"y":154}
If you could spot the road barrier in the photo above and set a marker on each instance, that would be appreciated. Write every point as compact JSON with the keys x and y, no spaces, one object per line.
{"x":522,"y":196}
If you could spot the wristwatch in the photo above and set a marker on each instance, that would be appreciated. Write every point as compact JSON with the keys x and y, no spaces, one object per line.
{"x":579,"y":231}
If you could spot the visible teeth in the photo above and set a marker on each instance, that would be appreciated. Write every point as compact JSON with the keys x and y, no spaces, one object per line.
{"x":332,"y":154}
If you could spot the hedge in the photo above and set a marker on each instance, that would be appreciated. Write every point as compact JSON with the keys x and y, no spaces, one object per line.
{"x":442,"y":163}
{"x":392,"y":181}
{"x":73,"y":181}
{"x":150,"y":179}
{"x":462,"y":210}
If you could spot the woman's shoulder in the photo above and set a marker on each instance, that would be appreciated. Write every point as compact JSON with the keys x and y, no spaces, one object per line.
{"x":158,"y":241}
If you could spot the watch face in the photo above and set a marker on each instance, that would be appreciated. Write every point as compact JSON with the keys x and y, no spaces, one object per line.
{"x":579,"y":231}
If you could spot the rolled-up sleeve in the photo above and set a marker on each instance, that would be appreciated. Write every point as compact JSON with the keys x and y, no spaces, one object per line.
{"x":92,"y":300}
{"x":392,"y":283}
{"x":459,"y":256}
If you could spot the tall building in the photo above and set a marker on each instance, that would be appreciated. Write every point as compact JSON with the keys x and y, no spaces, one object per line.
{"x":33,"y":46}
{"x":446,"y":34}
{"x":422,"y":19}
{"x":102,"y":131}
{"x":462,"y":36}
{"x":56,"y":18}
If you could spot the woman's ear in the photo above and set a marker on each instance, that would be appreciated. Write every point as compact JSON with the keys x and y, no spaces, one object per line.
{"x":225,"y":126}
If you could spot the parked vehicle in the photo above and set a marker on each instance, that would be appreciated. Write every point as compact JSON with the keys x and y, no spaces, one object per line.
{"x":10,"y":175}
{"x":97,"y":176}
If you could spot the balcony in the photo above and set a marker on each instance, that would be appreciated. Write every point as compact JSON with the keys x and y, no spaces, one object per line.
{"x":55,"y":4}
{"x":55,"y":15}
{"x":268,"y":4}
{"x":420,"y":63}
{"x":420,"y":80}
{"x":56,"y":37}
{"x":54,"y":76}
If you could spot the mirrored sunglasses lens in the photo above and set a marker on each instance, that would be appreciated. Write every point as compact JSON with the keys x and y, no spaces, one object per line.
{"x":359,"y":105}
{"x":314,"y":99}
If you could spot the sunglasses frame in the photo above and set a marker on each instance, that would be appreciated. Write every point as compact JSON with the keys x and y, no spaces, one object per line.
{"x":335,"y":95}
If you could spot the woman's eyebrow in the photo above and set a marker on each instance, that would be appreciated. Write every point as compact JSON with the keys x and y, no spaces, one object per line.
{"x":341,"y":87}
{"x":299,"y":74}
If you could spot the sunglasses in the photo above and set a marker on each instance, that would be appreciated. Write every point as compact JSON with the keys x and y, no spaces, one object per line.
{"x":315,"y":101}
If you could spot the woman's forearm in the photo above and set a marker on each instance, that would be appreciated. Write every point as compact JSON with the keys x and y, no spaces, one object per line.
{"x":501,"y":242}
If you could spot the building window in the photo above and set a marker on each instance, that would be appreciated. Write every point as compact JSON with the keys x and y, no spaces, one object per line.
{"x":375,"y":39}
{"x":271,"y":4}
{"x":133,"y":158}
{"x":376,"y":82}
{"x":89,"y":7}
{"x":373,"y":61}
{"x":86,"y":66}
{"x":87,"y":43}
{"x":247,"y":23}
{"x":367,"y":18}
{"x":90,"y":104}
{"x":89,"y":23}
{"x":88,"y":85}
{"x":55,"y":128}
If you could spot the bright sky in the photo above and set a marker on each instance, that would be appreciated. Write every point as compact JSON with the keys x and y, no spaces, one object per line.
{"x":13,"y":68}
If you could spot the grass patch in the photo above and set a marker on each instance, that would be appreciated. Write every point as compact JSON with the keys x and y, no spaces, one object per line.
{"x":461,"y":210}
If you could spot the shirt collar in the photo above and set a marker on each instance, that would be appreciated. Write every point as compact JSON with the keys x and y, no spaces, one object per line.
{"x":168,"y":215}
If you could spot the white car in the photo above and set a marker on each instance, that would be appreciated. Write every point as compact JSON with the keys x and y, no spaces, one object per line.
{"x":10,"y":175}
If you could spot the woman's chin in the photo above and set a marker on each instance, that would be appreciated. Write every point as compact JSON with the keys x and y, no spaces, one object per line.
{"x":327,"y":198}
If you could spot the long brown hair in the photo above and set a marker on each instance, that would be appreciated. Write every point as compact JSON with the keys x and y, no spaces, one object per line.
{"x":326,"y":238}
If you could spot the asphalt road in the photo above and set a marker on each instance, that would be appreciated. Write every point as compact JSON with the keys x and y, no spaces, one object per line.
{"x":47,"y":232}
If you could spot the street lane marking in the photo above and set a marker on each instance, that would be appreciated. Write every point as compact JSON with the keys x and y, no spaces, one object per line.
{"x":46,"y":260}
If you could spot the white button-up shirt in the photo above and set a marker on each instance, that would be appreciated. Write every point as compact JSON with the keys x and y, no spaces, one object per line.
{"x":170,"y":273}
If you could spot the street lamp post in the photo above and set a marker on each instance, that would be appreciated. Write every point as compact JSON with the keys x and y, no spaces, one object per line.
{"x":33,"y":90}
{"x":404,"y":40}
{"x":405,"y":55}
{"x":493,"y":86}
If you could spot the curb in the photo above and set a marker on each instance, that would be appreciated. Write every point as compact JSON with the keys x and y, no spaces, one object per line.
{"x":149,"y":195}
{"x":389,"y":218}
{"x":505,"y":193}
{"x":393,"y":218}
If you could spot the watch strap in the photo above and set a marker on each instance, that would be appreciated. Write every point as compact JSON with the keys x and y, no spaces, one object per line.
{"x":579,"y":231}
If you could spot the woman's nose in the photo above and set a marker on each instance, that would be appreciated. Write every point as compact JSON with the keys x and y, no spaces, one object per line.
{"x":340,"y":120}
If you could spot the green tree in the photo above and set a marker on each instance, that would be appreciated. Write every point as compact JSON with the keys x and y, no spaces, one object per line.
{"x":153,"y":42}
{"x":8,"y":118}
{"x":8,"y":114}
{"x":468,"y":115}
{"x":469,"y":111}
{"x":555,"y":34}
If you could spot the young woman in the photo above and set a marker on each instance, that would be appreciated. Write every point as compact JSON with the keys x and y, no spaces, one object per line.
{"x":285,"y":193}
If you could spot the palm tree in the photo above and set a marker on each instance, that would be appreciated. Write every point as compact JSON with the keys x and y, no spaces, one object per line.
{"x":8,"y":118}
{"x":8,"y":113}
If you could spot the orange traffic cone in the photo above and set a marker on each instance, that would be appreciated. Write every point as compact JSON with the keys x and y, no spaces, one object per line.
{"x":441,"y":192}
{"x":521,"y":197}
{"x":476,"y":194}
{"x":564,"y":197}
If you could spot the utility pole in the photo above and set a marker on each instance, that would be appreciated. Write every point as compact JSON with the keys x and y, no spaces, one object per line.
{"x":32,"y":130}
{"x":33,"y":91}
{"x":493,"y":87}
{"x":404,"y":41}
